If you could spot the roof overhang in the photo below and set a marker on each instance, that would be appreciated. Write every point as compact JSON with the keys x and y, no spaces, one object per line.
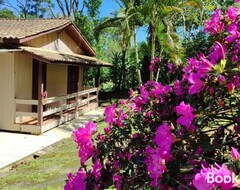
{"x":55,"y":57}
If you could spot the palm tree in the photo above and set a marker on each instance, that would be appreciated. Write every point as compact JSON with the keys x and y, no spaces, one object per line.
{"x":159,"y":15}
{"x":125,"y":21}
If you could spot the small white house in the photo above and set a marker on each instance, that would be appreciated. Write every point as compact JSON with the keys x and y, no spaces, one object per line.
{"x":41,"y":74}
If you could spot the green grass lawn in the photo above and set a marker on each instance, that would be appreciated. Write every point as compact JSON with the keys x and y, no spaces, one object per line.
{"x":48,"y":171}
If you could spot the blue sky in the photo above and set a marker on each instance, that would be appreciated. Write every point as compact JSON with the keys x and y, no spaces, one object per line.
{"x":108,"y":7}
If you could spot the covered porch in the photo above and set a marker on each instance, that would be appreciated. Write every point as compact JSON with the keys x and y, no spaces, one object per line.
{"x":46,"y":110}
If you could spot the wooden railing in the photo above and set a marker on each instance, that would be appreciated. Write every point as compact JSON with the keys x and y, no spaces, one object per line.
{"x":59,"y":104}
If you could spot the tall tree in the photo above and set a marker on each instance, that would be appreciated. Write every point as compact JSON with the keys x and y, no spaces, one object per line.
{"x":159,"y":14}
{"x":31,"y":8}
{"x":70,"y":7}
{"x":125,"y":21}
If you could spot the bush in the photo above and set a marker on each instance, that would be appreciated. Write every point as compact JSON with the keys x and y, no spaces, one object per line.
{"x":172,"y":136}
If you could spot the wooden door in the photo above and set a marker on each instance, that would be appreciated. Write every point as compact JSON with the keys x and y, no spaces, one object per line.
{"x":73,"y":78}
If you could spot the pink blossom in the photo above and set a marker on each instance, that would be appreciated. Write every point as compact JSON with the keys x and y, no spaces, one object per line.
{"x":155,"y":165}
{"x":85,"y":151}
{"x":110,"y":112}
{"x":117,"y":179}
{"x":177,"y":88}
{"x":231,"y":87}
{"x":233,"y":31}
{"x":235,"y":154}
{"x":83,"y":137}
{"x":76,"y":182}
{"x":221,"y":79}
{"x":97,"y":169}
{"x":205,"y":65}
{"x":164,"y":140}
{"x":186,"y":112}
{"x":121,"y":117}
{"x":123,"y":102}
{"x":144,"y":94}
{"x":201,"y":183}
{"x":106,"y":130}
{"x":153,"y":64}
{"x":200,"y":180}
{"x":196,"y":83}
{"x":214,"y":25}
{"x":232,"y":13}
{"x":217,"y":52}
{"x":223,"y":171}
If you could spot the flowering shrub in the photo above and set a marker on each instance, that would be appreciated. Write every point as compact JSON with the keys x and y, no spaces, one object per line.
{"x":173,"y":136}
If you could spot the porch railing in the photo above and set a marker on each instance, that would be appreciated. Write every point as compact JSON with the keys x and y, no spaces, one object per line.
{"x":57,"y":105}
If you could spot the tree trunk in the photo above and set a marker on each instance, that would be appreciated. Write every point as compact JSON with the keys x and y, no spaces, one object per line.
{"x":137,"y":60}
{"x":123,"y":70}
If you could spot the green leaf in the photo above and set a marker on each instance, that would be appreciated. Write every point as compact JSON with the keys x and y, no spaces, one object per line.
{"x":221,"y":66}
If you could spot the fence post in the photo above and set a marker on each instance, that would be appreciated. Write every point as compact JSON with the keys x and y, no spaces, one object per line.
{"x":76,"y":108}
{"x":88,"y":99}
{"x":40,"y":92}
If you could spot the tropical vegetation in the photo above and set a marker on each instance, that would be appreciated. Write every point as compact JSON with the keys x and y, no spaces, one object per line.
{"x":181,"y":121}
{"x":181,"y":133}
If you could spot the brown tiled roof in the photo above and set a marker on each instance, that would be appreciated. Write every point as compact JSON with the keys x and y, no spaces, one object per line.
{"x":56,"y":57}
{"x":22,"y":28}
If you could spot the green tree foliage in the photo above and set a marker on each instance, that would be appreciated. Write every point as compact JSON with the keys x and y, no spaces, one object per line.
{"x":70,"y":8}
{"x":6,"y":13}
{"x":34,"y":8}
{"x":125,"y":21}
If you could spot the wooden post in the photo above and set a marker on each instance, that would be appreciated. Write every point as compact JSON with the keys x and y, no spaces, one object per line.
{"x":76,"y":107}
{"x":97,"y":78}
{"x":40,"y":92}
{"x":61,"y":110}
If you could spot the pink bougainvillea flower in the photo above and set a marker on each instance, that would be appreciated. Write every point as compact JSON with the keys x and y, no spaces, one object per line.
{"x":214,"y":25}
{"x":155,"y":165}
{"x":232,"y":13}
{"x":118,"y":180}
{"x":186,"y":112}
{"x":83,"y":137}
{"x":153,"y":64}
{"x":217,"y":52}
{"x":177,"y":88}
{"x":164,"y":139}
{"x":110,"y":113}
{"x":191,"y":67}
{"x":205,"y":65}
{"x":121,"y":117}
{"x":196,"y":83}
{"x":97,"y":169}
{"x":222,"y":170}
{"x":76,"y":182}
{"x":144,"y":94}
{"x":233,"y":31}
{"x":123,"y":102}
{"x":106,"y":130}
{"x":85,"y":151}
{"x":200,"y":180}
{"x":221,"y":79}
{"x":231,"y":87}
{"x":235,"y":154}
